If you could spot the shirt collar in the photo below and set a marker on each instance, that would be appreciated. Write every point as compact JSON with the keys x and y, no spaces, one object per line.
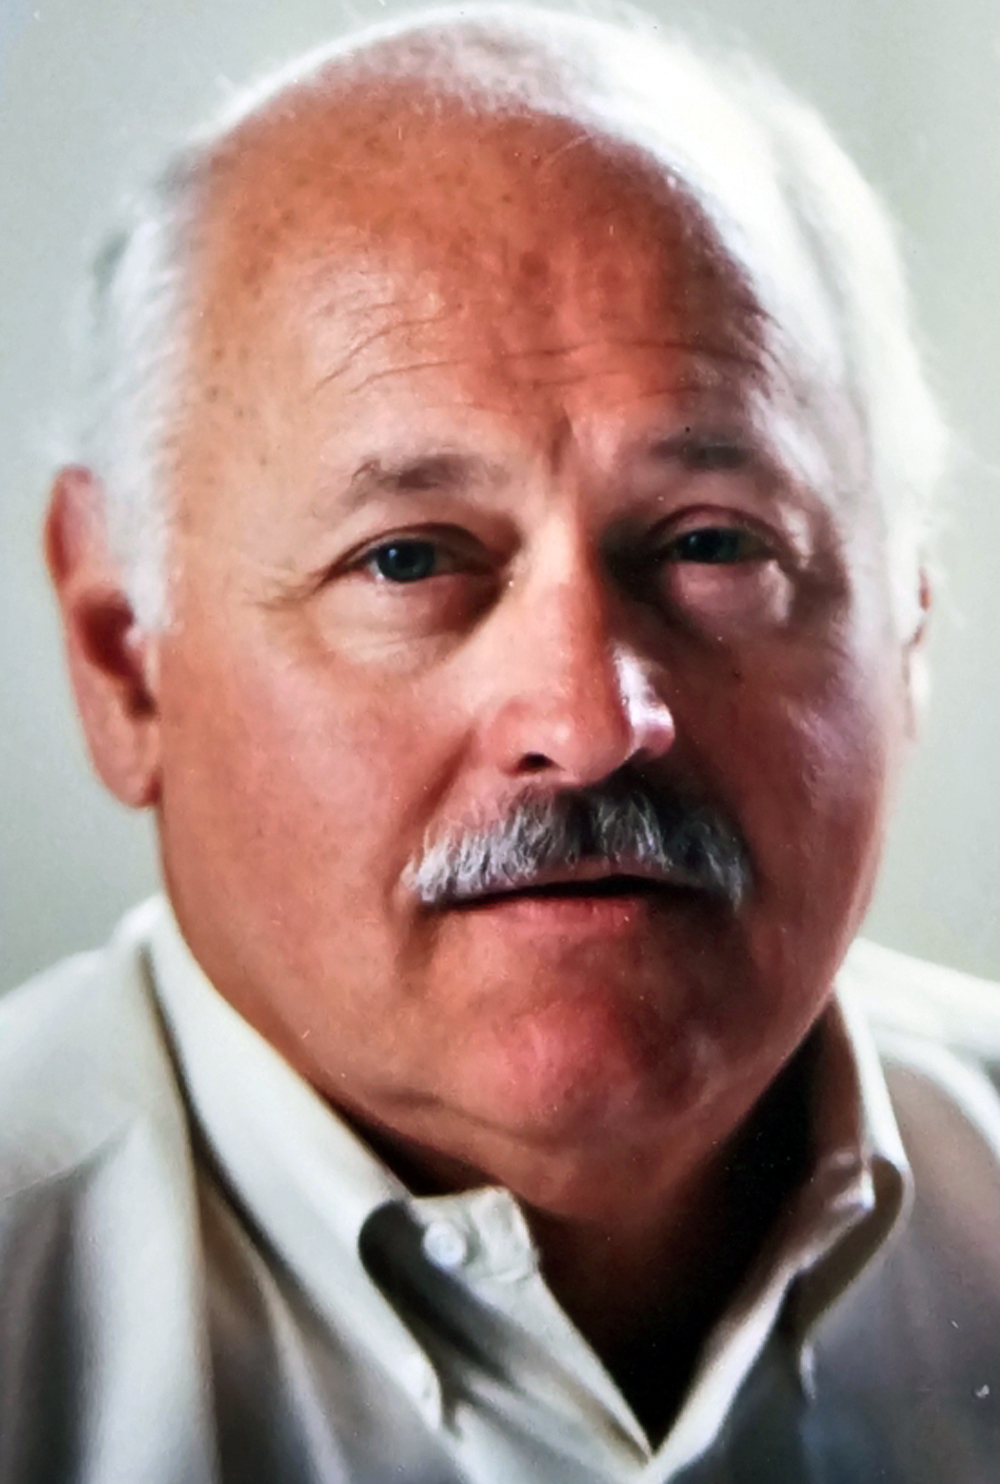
{"x":294,"y":1168}
{"x":860,"y":1187}
{"x":854,"y":1192}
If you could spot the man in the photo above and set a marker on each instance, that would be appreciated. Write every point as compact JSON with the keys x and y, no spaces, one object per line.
{"x":497,"y":556}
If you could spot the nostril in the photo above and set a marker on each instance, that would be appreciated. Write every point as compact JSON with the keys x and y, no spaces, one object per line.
{"x":535,"y":762}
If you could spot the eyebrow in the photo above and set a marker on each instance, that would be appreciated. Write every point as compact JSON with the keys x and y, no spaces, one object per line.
{"x":447,"y":471}
{"x":737,"y":446}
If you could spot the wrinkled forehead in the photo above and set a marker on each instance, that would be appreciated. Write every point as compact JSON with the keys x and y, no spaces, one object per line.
{"x":433,"y":199}
{"x":384,"y":214}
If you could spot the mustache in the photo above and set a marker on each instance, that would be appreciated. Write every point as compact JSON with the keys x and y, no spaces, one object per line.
{"x":625,"y":823}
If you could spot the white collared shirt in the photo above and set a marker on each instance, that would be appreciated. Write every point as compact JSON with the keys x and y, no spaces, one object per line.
{"x":236,"y":1288}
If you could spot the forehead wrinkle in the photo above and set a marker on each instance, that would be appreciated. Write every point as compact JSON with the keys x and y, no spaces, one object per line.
{"x":384,"y":204}
{"x":549,"y":157}
{"x":691,"y":377}
{"x":373,"y":338}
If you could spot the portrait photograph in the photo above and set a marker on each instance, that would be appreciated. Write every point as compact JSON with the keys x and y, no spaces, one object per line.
{"x":499,"y":742}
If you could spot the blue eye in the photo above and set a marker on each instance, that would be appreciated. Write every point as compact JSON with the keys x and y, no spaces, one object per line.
{"x":716,"y":545}
{"x":405,"y":561}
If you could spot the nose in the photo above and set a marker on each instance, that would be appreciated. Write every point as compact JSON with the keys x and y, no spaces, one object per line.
{"x":571,"y":701}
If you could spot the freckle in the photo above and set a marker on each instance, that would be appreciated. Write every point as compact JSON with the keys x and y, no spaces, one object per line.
{"x":533,"y":266}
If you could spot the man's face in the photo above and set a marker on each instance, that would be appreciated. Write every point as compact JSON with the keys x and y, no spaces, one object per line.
{"x":476,"y":499}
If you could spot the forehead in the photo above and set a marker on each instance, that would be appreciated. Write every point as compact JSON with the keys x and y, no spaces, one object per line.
{"x":389,"y":204}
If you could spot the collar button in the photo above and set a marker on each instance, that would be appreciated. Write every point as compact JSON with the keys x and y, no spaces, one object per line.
{"x":445,"y":1245}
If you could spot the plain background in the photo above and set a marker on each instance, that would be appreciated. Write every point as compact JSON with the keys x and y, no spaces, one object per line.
{"x":93,"y":91}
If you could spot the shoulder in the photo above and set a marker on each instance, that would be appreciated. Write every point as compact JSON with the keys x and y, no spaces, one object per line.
{"x":922,"y":1317}
{"x":101,"y":1305}
{"x":909,"y":1001}
{"x":937,"y":1032}
{"x":82,"y":1059}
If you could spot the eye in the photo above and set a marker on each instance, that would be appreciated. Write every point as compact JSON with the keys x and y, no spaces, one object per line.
{"x":723,"y":577}
{"x":407,"y":560}
{"x":716,"y":546}
{"x":425,"y":583}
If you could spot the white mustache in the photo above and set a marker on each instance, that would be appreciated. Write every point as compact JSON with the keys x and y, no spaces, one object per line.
{"x":624,"y":825}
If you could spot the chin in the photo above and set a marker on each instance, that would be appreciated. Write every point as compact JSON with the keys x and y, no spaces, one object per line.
{"x":590,"y":1070}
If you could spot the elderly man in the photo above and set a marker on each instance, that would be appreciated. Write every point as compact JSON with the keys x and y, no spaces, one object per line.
{"x":496,"y":555}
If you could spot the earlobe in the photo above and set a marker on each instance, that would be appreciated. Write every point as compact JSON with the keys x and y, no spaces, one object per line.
{"x":111,"y":662}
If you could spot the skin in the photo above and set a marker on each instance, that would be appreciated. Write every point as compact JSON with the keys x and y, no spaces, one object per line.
{"x":514,"y":341}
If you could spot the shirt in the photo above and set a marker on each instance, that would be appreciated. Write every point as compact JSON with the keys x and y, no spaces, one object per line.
{"x":205,"y":1275}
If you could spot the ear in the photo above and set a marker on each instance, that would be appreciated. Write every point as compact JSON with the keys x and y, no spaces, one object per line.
{"x":915,"y":671}
{"x":112,"y":663}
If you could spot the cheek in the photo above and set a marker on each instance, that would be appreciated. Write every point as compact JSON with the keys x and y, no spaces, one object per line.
{"x":295,"y":780}
{"x":820,"y":758}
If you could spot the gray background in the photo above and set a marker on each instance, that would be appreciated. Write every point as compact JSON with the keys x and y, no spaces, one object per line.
{"x":91,"y":92}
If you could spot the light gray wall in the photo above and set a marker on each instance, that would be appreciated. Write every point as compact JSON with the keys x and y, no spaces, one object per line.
{"x":92,"y":90}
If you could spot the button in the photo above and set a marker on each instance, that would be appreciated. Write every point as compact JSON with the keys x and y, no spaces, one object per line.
{"x":445,"y":1245}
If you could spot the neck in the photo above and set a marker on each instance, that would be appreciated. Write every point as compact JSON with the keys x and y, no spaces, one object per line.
{"x":647,"y":1289}
{"x":645,"y":1279}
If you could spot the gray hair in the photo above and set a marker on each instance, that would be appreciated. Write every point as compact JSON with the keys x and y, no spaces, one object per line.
{"x":628,"y":823}
{"x":787,"y":206}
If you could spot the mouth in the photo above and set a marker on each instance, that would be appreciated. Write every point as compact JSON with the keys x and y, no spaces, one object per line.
{"x":608,"y":888}
{"x":598,"y":908}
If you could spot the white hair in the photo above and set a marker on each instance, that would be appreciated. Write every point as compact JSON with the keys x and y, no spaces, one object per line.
{"x":786,"y":205}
